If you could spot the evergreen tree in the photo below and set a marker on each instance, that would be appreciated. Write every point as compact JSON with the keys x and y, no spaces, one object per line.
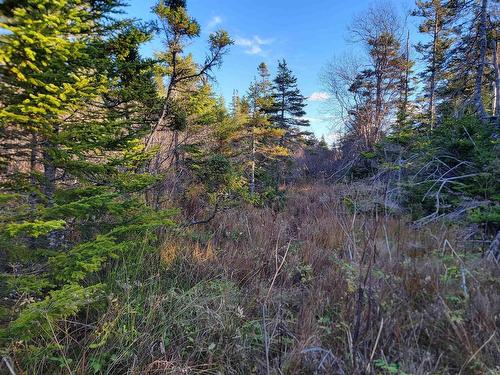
{"x":76,"y":101}
{"x":287,"y":111}
{"x":182,"y":76}
{"x":377,"y":89}
{"x":495,"y":62}
{"x":438,"y":20}
{"x":322,"y":143}
{"x":471,"y":68}
{"x":261,"y":135}
{"x":406,"y":109}
{"x":482,"y":44}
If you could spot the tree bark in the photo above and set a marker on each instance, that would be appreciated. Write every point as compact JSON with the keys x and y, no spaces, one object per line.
{"x":496,"y":68}
{"x":49,"y":177}
{"x":252,"y":173}
{"x":176,"y":149}
{"x":483,"y":44}
{"x":406,"y":89}
{"x":432,"y":89}
{"x":49,"y":189}
{"x":283,"y":109}
{"x":494,"y":249}
{"x":378,"y":104}
{"x":32,"y":198}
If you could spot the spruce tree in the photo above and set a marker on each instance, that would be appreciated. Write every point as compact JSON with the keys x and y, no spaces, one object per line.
{"x":322,"y":143}
{"x":178,"y":77}
{"x":261,"y":135}
{"x":76,"y":103}
{"x":438,"y":18}
{"x":287,"y":111}
{"x":376,"y":89}
{"x":405,"y":106}
{"x":471,"y":66}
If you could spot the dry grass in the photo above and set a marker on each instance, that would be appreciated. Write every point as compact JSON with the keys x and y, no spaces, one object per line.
{"x":332,"y":284}
{"x":351,"y":267}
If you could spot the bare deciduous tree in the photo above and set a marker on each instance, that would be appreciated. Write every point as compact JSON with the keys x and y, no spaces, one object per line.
{"x":365,"y":90}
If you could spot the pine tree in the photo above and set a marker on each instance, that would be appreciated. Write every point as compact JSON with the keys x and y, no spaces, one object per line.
{"x":260,"y":133}
{"x":439,"y":17}
{"x":287,"y":111}
{"x":178,"y":76}
{"x":76,"y":103}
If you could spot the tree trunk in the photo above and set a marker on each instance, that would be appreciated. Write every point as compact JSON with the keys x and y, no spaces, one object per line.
{"x":378,"y":109}
{"x":432,"y":89}
{"x":176,"y":150}
{"x":49,"y":177}
{"x":32,"y":198}
{"x":496,"y":68}
{"x":407,"y":72}
{"x":483,"y":44}
{"x":406,"y":84}
{"x":283,"y":109}
{"x":282,"y":140}
{"x":49,"y":189}
{"x":252,"y":173}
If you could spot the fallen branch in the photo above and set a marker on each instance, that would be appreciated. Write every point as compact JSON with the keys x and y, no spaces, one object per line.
{"x":203,"y":221}
{"x":493,"y":252}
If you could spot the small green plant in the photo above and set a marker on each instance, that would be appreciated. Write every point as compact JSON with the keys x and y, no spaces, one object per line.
{"x":306,"y":273}
{"x":389,"y":368}
{"x":452,"y":273}
{"x":325,"y":323}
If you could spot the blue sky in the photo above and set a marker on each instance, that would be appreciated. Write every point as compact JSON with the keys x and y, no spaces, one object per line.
{"x":306,"y":33}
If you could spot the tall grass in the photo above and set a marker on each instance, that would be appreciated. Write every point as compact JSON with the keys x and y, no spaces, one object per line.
{"x":333,"y":283}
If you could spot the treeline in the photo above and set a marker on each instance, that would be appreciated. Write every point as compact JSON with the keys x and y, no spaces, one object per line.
{"x":423,"y":116}
{"x":457,"y":58}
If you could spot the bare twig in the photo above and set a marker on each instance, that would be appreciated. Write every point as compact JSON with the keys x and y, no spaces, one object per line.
{"x":476,"y":352}
{"x":278,"y":267}
{"x":9,"y":365}
{"x":375,"y":346}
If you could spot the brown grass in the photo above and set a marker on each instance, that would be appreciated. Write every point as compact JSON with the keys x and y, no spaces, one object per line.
{"x":347,"y":270}
{"x":331,"y":284}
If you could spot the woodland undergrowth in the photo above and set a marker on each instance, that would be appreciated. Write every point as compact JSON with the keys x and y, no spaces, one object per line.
{"x":330,"y":284}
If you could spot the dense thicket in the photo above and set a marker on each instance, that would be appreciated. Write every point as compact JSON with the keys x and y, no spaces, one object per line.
{"x":431,"y":133}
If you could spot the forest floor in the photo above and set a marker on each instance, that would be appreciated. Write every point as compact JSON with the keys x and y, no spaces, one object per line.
{"x":329,"y":284}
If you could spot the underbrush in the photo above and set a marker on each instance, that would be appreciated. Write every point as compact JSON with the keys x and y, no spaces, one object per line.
{"x":331,"y":284}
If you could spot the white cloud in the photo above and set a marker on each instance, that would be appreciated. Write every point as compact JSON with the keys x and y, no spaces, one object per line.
{"x":310,"y":119}
{"x":319,"y":96}
{"x":254,"y":45}
{"x":317,"y":119}
{"x":216,"y":20}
